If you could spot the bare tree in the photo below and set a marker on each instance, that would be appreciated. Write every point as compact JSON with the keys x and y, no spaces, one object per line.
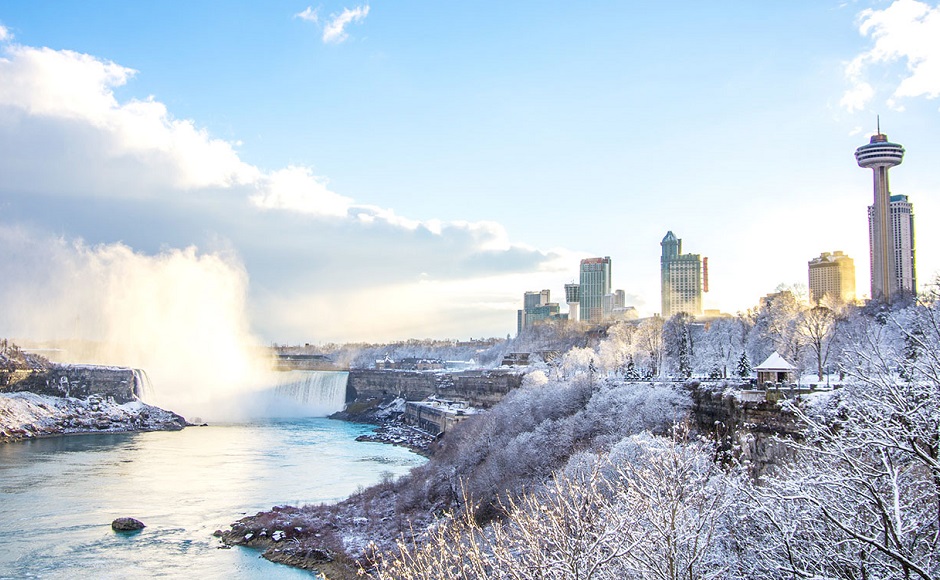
{"x":817,"y":327}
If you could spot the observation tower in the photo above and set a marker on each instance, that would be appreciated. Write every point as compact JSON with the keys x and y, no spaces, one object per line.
{"x":879,"y":155}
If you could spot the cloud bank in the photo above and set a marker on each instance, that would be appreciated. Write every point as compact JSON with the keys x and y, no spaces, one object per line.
{"x":79,"y":162}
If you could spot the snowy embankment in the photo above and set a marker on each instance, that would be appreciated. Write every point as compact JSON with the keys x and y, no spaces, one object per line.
{"x":26,"y":415}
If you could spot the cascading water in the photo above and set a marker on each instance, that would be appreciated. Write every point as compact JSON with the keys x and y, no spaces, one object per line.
{"x":308,"y":394}
{"x":143,"y":388}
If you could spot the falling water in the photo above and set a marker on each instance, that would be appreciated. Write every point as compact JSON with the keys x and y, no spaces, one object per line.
{"x":143,"y":387}
{"x":308,"y":394}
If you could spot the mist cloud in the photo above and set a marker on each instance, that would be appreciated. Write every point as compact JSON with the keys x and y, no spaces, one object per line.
{"x":180,"y":314}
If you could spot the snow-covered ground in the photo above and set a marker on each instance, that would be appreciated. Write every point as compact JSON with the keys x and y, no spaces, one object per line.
{"x":25,"y":415}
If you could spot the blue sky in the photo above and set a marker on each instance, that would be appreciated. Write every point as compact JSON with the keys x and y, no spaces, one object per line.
{"x":411,"y":168}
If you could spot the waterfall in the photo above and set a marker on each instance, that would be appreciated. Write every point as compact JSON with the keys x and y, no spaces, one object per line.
{"x":308,"y":394}
{"x":143,"y":388}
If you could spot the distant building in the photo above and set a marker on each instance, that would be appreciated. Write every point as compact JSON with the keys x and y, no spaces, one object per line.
{"x":514,"y":359}
{"x":612,"y":302}
{"x":901,"y":225}
{"x":533,"y":299}
{"x":595,"y":284}
{"x":624,"y":313}
{"x":833,"y":275}
{"x":536,"y":307}
{"x":573,"y":298}
{"x":409,"y":364}
{"x":682,"y":279}
{"x":420,"y":364}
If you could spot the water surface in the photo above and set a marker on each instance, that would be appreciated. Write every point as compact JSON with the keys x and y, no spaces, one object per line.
{"x":58,"y":496}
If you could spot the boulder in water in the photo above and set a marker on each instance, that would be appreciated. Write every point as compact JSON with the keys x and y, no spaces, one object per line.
{"x":127,"y":525}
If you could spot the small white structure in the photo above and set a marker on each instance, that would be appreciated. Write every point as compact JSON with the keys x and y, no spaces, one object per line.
{"x":775,"y":369}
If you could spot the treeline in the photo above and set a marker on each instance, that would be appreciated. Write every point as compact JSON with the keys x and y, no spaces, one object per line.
{"x":815,"y":339}
{"x":486,"y":352}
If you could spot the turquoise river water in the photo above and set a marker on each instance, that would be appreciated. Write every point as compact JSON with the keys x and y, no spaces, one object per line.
{"x":58,"y":496}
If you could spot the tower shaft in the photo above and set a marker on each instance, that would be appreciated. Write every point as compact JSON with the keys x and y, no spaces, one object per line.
{"x":883,"y":275}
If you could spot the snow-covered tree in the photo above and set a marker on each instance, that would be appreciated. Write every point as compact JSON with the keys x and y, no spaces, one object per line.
{"x":743,"y":368}
{"x":655,"y":507}
{"x":817,"y":327}
{"x":679,"y":341}
{"x":650,"y":347}
{"x":862,"y":499}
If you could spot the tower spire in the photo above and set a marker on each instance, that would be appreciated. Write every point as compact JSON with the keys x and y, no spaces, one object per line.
{"x":879,"y":124}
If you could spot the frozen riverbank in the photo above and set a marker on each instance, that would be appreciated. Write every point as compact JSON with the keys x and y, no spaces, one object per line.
{"x":25,"y":415}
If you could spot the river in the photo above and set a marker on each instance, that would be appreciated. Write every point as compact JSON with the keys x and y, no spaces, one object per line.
{"x":58,"y":496}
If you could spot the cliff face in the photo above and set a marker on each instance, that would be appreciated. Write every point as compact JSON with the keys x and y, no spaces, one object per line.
{"x":78,"y":381}
{"x":747,"y":431}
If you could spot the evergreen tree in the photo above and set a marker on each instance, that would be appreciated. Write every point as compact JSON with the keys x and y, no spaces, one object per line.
{"x":744,"y":366}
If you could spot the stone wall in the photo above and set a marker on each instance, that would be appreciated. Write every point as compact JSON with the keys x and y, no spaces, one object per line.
{"x":478,"y":388}
{"x":78,"y":381}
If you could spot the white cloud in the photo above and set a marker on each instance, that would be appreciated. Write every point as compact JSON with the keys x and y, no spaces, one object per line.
{"x":335,"y":30}
{"x":906,"y":31}
{"x":858,"y":97}
{"x":55,"y":85}
{"x":298,"y":189}
{"x":5,"y":34}
{"x":78,"y":161}
{"x":309,"y":14}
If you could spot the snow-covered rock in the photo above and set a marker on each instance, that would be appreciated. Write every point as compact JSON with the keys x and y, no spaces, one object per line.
{"x":24,"y":415}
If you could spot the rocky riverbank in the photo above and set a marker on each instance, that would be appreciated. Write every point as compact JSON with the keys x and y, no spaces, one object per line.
{"x":26,"y":415}
{"x":386,"y":415}
{"x":394,"y":432}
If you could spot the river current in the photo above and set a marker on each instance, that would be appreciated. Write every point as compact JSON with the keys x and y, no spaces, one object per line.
{"x":58,"y":496}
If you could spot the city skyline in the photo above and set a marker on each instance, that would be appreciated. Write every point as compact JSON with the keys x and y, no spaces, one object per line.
{"x":384,"y":171}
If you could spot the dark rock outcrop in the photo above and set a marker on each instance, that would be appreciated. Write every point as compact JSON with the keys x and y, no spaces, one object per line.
{"x":751,"y":432}
{"x":127,"y":525}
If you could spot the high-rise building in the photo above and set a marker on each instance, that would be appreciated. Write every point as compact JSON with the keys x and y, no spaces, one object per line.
{"x":901,"y":221}
{"x":573,"y":298}
{"x":536,"y":306}
{"x":533,"y":299}
{"x":682,"y":279}
{"x":595,"y":284}
{"x":833,"y":275}
{"x":879,"y":155}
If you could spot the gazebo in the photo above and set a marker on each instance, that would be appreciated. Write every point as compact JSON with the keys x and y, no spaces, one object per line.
{"x":775,"y":369}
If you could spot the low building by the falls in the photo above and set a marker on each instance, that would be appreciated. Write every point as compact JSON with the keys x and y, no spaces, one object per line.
{"x":436,"y":415}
